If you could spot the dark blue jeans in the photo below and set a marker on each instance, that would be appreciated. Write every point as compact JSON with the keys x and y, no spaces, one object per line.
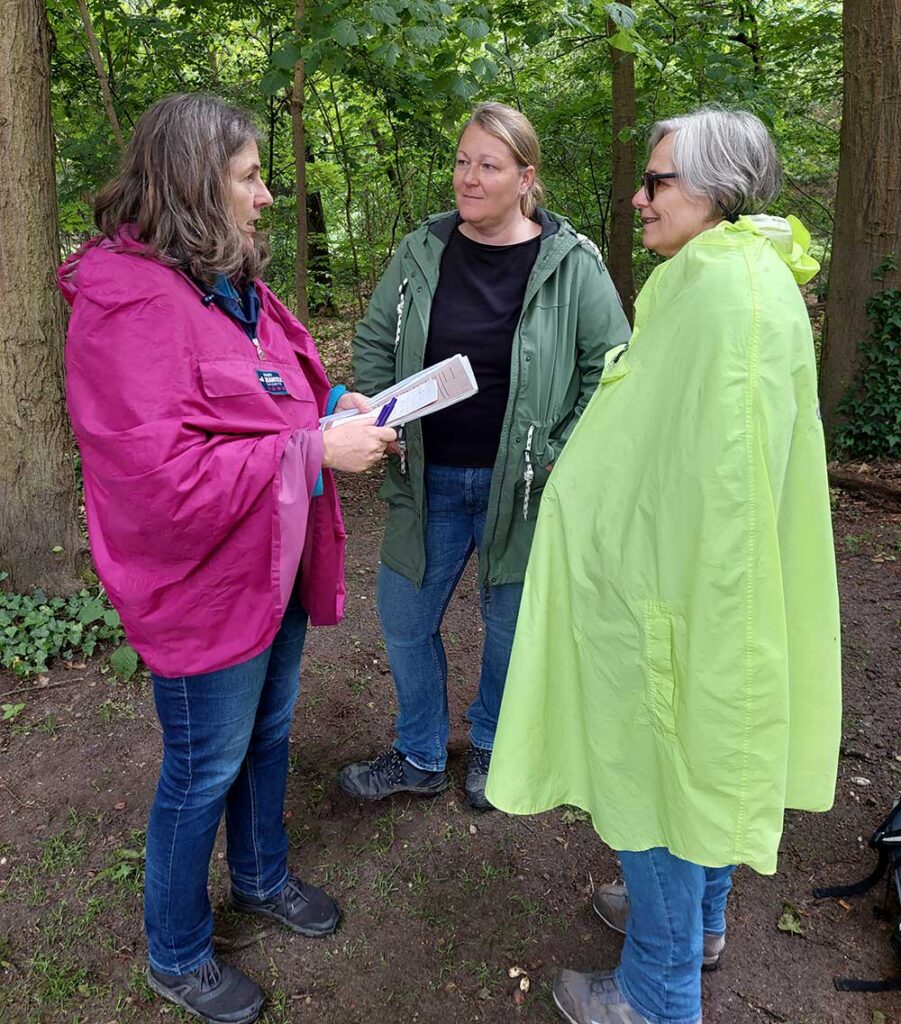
{"x":411,"y":620}
{"x":672,"y":904}
{"x":225,"y":748}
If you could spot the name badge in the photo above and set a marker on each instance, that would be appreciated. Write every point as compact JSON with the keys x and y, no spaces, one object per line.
{"x":272,"y":382}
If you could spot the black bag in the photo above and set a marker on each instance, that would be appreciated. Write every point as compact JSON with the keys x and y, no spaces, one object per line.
{"x":886,"y":841}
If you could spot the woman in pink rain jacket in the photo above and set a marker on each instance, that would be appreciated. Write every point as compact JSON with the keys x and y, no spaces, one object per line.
{"x":212,"y":514}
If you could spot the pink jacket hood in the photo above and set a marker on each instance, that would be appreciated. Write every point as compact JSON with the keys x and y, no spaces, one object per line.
{"x":198,"y":478}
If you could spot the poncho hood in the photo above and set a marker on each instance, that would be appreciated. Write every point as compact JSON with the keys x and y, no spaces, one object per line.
{"x":790,"y":239}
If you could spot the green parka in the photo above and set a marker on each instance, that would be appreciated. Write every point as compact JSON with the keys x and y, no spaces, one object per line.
{"x":571,"y":316}
{"x":676,"y":666}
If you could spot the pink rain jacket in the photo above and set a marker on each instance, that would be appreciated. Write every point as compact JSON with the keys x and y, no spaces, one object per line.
{"x":198,"y":480}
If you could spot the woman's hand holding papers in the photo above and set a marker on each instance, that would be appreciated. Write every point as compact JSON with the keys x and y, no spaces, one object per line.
{"x":356,"y":444}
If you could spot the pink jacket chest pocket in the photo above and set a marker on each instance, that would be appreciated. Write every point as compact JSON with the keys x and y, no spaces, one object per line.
{"x":259,"y":390}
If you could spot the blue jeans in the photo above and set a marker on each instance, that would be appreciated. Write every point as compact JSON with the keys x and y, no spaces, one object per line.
{"x":457,"y":503}
{"x":672,"y":904}
{"x":225,"y":748}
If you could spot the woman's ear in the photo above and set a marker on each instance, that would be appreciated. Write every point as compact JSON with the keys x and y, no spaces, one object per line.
{"x":528,"y":178}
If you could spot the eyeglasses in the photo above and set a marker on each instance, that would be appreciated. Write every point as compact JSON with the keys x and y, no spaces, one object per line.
{"x":649,"y":182}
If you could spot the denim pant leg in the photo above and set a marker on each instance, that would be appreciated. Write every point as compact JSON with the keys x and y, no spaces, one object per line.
{"x":500,"y":608}
{"x":411,"y":620}
{"x":254,"y":809}
{"x":207,"y":722}
{"x":660,"y":967}
{"x":716,"y":892}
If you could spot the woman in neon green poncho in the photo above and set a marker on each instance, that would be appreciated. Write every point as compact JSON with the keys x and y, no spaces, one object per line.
{"x":676,"y":664}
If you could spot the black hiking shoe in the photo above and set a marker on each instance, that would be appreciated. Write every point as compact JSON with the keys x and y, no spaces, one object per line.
{"x":303,"y":908}
{"x":476,"y":777}
{"x":217,"y":993}
{"x":387,"y":774}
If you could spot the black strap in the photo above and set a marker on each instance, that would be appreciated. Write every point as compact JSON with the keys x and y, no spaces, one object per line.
{"x":864,"y":885}
{"x":854,"y":985}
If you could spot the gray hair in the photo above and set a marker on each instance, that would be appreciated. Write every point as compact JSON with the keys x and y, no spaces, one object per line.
{"x":515,"y":130}
{"x":724,"y":156}
{"x":173,"y":186}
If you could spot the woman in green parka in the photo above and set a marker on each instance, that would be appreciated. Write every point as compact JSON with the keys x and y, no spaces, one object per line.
{"x":676,"y":668}
{"x":528,"y":300}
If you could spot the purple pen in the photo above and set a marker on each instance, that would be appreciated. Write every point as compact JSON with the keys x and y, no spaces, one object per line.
{"x":386,"y":411}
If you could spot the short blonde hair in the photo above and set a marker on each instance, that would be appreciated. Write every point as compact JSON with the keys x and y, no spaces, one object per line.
{"x":515,"y":130}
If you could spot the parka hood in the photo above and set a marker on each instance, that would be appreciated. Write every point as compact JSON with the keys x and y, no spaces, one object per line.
{"x":790,"y":239}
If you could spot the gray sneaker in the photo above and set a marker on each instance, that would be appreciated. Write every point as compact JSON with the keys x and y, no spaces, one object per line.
{"x":593,"y":999}
{"x":303,"y":908}
{"x":217,"y":993}
{"x":387,"y":774}
{"x":476,"y":778}
{"x":611,"y":904}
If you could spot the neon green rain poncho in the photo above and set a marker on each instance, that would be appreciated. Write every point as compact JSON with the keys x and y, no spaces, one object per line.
{"x":676,"y":668}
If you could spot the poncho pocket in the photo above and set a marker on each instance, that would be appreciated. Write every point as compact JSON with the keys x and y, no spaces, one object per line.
{"x":657,"y":655}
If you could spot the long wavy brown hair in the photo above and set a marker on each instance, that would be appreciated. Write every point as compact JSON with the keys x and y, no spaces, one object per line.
{"x":173,"y":186}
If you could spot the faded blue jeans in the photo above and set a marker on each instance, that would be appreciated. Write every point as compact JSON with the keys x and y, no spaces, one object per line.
{"x":411,"y":618}
{"x":672,"y":904}
{"x":225,"y":748}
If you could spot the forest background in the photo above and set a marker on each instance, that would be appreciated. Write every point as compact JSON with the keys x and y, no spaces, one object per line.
{"x":360,"y":102}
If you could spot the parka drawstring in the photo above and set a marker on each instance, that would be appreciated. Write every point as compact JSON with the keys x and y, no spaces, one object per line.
{"x":400,"y":311}
{"x":401,"y":440}
{"x":528,"y":473}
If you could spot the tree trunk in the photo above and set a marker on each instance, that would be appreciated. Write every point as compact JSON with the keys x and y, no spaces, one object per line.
{"x":298,"y":135}
{"x":868,"y":201}
{"x":101,"y":74}
{"x":38,"y":493}
{"x":622,"y":216}
{"x":319,"y":259}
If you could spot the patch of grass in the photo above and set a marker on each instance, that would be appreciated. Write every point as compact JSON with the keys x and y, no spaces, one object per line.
{"x":385,"y":883}
{"x":57,"y":980}
{"x":112,"y":710}
{"x":64,"y":851}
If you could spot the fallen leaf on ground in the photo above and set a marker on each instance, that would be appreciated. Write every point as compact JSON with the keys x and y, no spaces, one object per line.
{"x":790,"y":920}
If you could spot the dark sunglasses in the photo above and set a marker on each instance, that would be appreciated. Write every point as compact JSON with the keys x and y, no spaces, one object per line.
{"x":649,"y":182}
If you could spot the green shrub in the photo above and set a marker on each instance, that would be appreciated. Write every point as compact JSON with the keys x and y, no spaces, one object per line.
{"x":34,"y":629}
{"x":872,"y":408}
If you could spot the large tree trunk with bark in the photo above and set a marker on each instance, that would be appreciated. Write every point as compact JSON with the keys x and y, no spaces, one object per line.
{"x":868,"y":203}
{"x":38,"y":492}
{"x":622,"y":216}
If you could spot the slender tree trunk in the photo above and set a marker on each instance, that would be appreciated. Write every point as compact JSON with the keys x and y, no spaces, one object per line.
{"x":622,"y":215}
{"x":318,"y":255}
{"x":101,"y":73}
{"x":299,"y":141}
{"x":393,"y":174}
{"x":38,"y":494}
{"x":868,"y":201}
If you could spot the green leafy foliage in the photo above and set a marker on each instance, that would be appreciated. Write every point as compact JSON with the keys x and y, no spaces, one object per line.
{"x":389,"y":82}
{"x":34,"y":629}
{"x":10,"y":711}
{"x":872,"y":409}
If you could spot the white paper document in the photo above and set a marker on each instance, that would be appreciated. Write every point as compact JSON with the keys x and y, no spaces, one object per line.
{"x":433,"y":388}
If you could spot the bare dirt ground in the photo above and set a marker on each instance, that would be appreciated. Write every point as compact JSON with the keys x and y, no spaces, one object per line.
{"x":439,"y":902}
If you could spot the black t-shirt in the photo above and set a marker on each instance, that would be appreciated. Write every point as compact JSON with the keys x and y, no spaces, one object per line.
{"x":475,"y":311}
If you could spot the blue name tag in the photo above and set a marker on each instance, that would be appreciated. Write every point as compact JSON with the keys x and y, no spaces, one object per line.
{"x":272,"y":382}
